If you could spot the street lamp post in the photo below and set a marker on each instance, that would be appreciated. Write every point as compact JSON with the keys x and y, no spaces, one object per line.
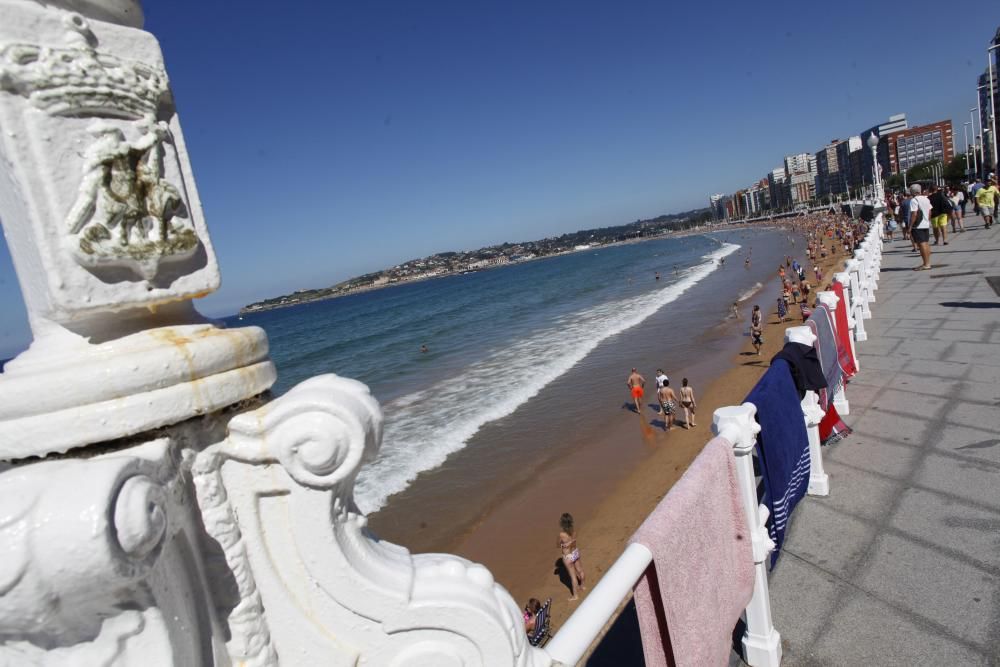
{"x":975,"y":162}
{"x":979,"y":116}
{"x":878,"y":193}
{"x":993,"y":108}
{"x":965,"y":131}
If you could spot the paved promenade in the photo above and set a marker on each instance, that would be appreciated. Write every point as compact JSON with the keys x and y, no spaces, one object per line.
{"x":900,"y":565}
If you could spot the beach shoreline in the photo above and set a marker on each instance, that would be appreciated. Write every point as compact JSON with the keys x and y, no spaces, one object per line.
{"x":612,"y":481}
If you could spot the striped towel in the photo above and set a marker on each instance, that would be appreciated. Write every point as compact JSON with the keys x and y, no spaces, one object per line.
{"x":782,"y":447}
{"x":826,"y":348}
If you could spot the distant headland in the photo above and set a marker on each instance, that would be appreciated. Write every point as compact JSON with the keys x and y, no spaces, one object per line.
{"x":451,"y":263}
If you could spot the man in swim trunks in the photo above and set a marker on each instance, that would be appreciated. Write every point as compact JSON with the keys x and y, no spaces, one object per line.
{"x":668,"y":404}
{"x":635,"y":385}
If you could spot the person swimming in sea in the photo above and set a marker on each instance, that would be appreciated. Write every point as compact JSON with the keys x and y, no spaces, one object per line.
{"x":424,"y":349}
{"x":571,"y":554}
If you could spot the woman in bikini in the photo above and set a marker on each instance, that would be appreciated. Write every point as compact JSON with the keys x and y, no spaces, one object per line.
{"x":571,"y":554}
{"x":688,"y":403}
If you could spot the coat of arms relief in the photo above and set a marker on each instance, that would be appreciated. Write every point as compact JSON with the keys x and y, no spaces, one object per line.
{"x":130,"y":207}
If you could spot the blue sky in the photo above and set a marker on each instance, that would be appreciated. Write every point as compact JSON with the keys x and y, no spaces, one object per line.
{"x":332,"y":139}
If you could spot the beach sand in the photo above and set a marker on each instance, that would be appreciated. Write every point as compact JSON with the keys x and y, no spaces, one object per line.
{"x":611,"y":478}
{"x":524,"y":556}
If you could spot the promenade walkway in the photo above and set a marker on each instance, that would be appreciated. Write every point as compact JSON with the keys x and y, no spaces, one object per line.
{"x":900,"y":565}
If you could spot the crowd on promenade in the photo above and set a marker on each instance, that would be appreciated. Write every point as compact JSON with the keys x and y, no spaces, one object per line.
{"x":918,"y":216}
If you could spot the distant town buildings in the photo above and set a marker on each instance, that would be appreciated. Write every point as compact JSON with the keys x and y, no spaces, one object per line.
{"x":917,"y":145}
{"x":840,"y":169}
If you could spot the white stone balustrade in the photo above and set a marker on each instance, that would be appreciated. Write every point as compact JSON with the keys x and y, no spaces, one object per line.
{"x":189,"y":521}
{"x":761,"y":641}
{"x":819,"y":481}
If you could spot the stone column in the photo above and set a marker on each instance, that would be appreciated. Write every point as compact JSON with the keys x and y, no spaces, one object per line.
{"x":155,"y":507}
{"x":107,"y":236}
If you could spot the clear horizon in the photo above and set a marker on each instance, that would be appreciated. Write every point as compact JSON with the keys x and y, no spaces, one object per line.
{"x":333,"y":141}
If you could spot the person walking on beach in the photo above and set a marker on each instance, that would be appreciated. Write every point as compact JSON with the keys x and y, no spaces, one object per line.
{"x":756,"y":329}
{"x":920,"y":226}
{"x":668,"y":404}
{"x":688,"y":402}
{"x":571,"y":554}
{"x":736,"y":309}
{"x":636,"y":384}
{"x":661,"y":377}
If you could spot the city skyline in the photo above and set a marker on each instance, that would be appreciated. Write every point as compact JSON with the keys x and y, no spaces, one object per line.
{"x":339,"y":140}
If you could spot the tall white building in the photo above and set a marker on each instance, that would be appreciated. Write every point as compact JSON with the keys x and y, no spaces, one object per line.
{"x":801,"y":169}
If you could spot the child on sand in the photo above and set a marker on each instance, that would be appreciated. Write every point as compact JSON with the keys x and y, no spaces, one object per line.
{"x":571,"y":554}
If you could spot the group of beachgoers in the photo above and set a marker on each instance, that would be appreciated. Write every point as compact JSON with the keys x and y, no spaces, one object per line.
{"x":666,"y":398}
{"x":918,"y":215}
{"x":827,"y":235}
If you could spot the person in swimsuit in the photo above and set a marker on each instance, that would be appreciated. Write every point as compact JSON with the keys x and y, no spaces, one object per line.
{"x":756,"y":329}
{"x":668,"y":404}
{"x":571,"y":554}
{"x":635,"y":383}
{"x":688,"y":403}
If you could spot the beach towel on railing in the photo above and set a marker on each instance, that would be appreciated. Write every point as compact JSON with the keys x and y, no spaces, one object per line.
{"x":845,"y":347}
{"x":826,"y":349}
{"x":702,"y":574}
{"x":832,"y":429}
{"x":782,"y":447}
{"x":805,"y":367}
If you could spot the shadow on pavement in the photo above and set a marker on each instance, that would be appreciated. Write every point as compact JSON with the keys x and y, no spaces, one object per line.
{"x":970,"y":304}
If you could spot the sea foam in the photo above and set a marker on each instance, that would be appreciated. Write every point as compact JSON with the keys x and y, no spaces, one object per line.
{"x":424,"y":427}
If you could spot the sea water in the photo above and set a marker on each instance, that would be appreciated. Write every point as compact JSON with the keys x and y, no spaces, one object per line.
{"x":495,"y":339}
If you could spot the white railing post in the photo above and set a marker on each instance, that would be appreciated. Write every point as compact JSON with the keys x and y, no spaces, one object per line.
{"x":871,"y":273}
{"x":850,"y":282}
{"x":761,"y":641}
{"x":838,"y":393}
{"x":864,"y":288}
{"x":819,"y":481}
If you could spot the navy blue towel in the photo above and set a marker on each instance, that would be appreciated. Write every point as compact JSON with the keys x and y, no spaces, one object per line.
{"x":782,"y":447}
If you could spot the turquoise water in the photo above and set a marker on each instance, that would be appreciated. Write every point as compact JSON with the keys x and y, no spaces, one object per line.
{"x":495,"y":339}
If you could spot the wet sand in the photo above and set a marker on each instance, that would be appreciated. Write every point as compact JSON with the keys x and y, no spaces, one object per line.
{"x":609,"y":470}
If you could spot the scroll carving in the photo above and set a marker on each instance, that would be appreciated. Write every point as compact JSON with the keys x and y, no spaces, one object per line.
{"x":326,"y":589}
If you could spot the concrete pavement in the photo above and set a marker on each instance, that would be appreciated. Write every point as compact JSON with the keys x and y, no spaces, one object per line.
{"x":900,"y":565}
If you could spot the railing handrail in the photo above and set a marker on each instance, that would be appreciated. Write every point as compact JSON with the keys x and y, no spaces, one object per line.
{"x":584,"y":626}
